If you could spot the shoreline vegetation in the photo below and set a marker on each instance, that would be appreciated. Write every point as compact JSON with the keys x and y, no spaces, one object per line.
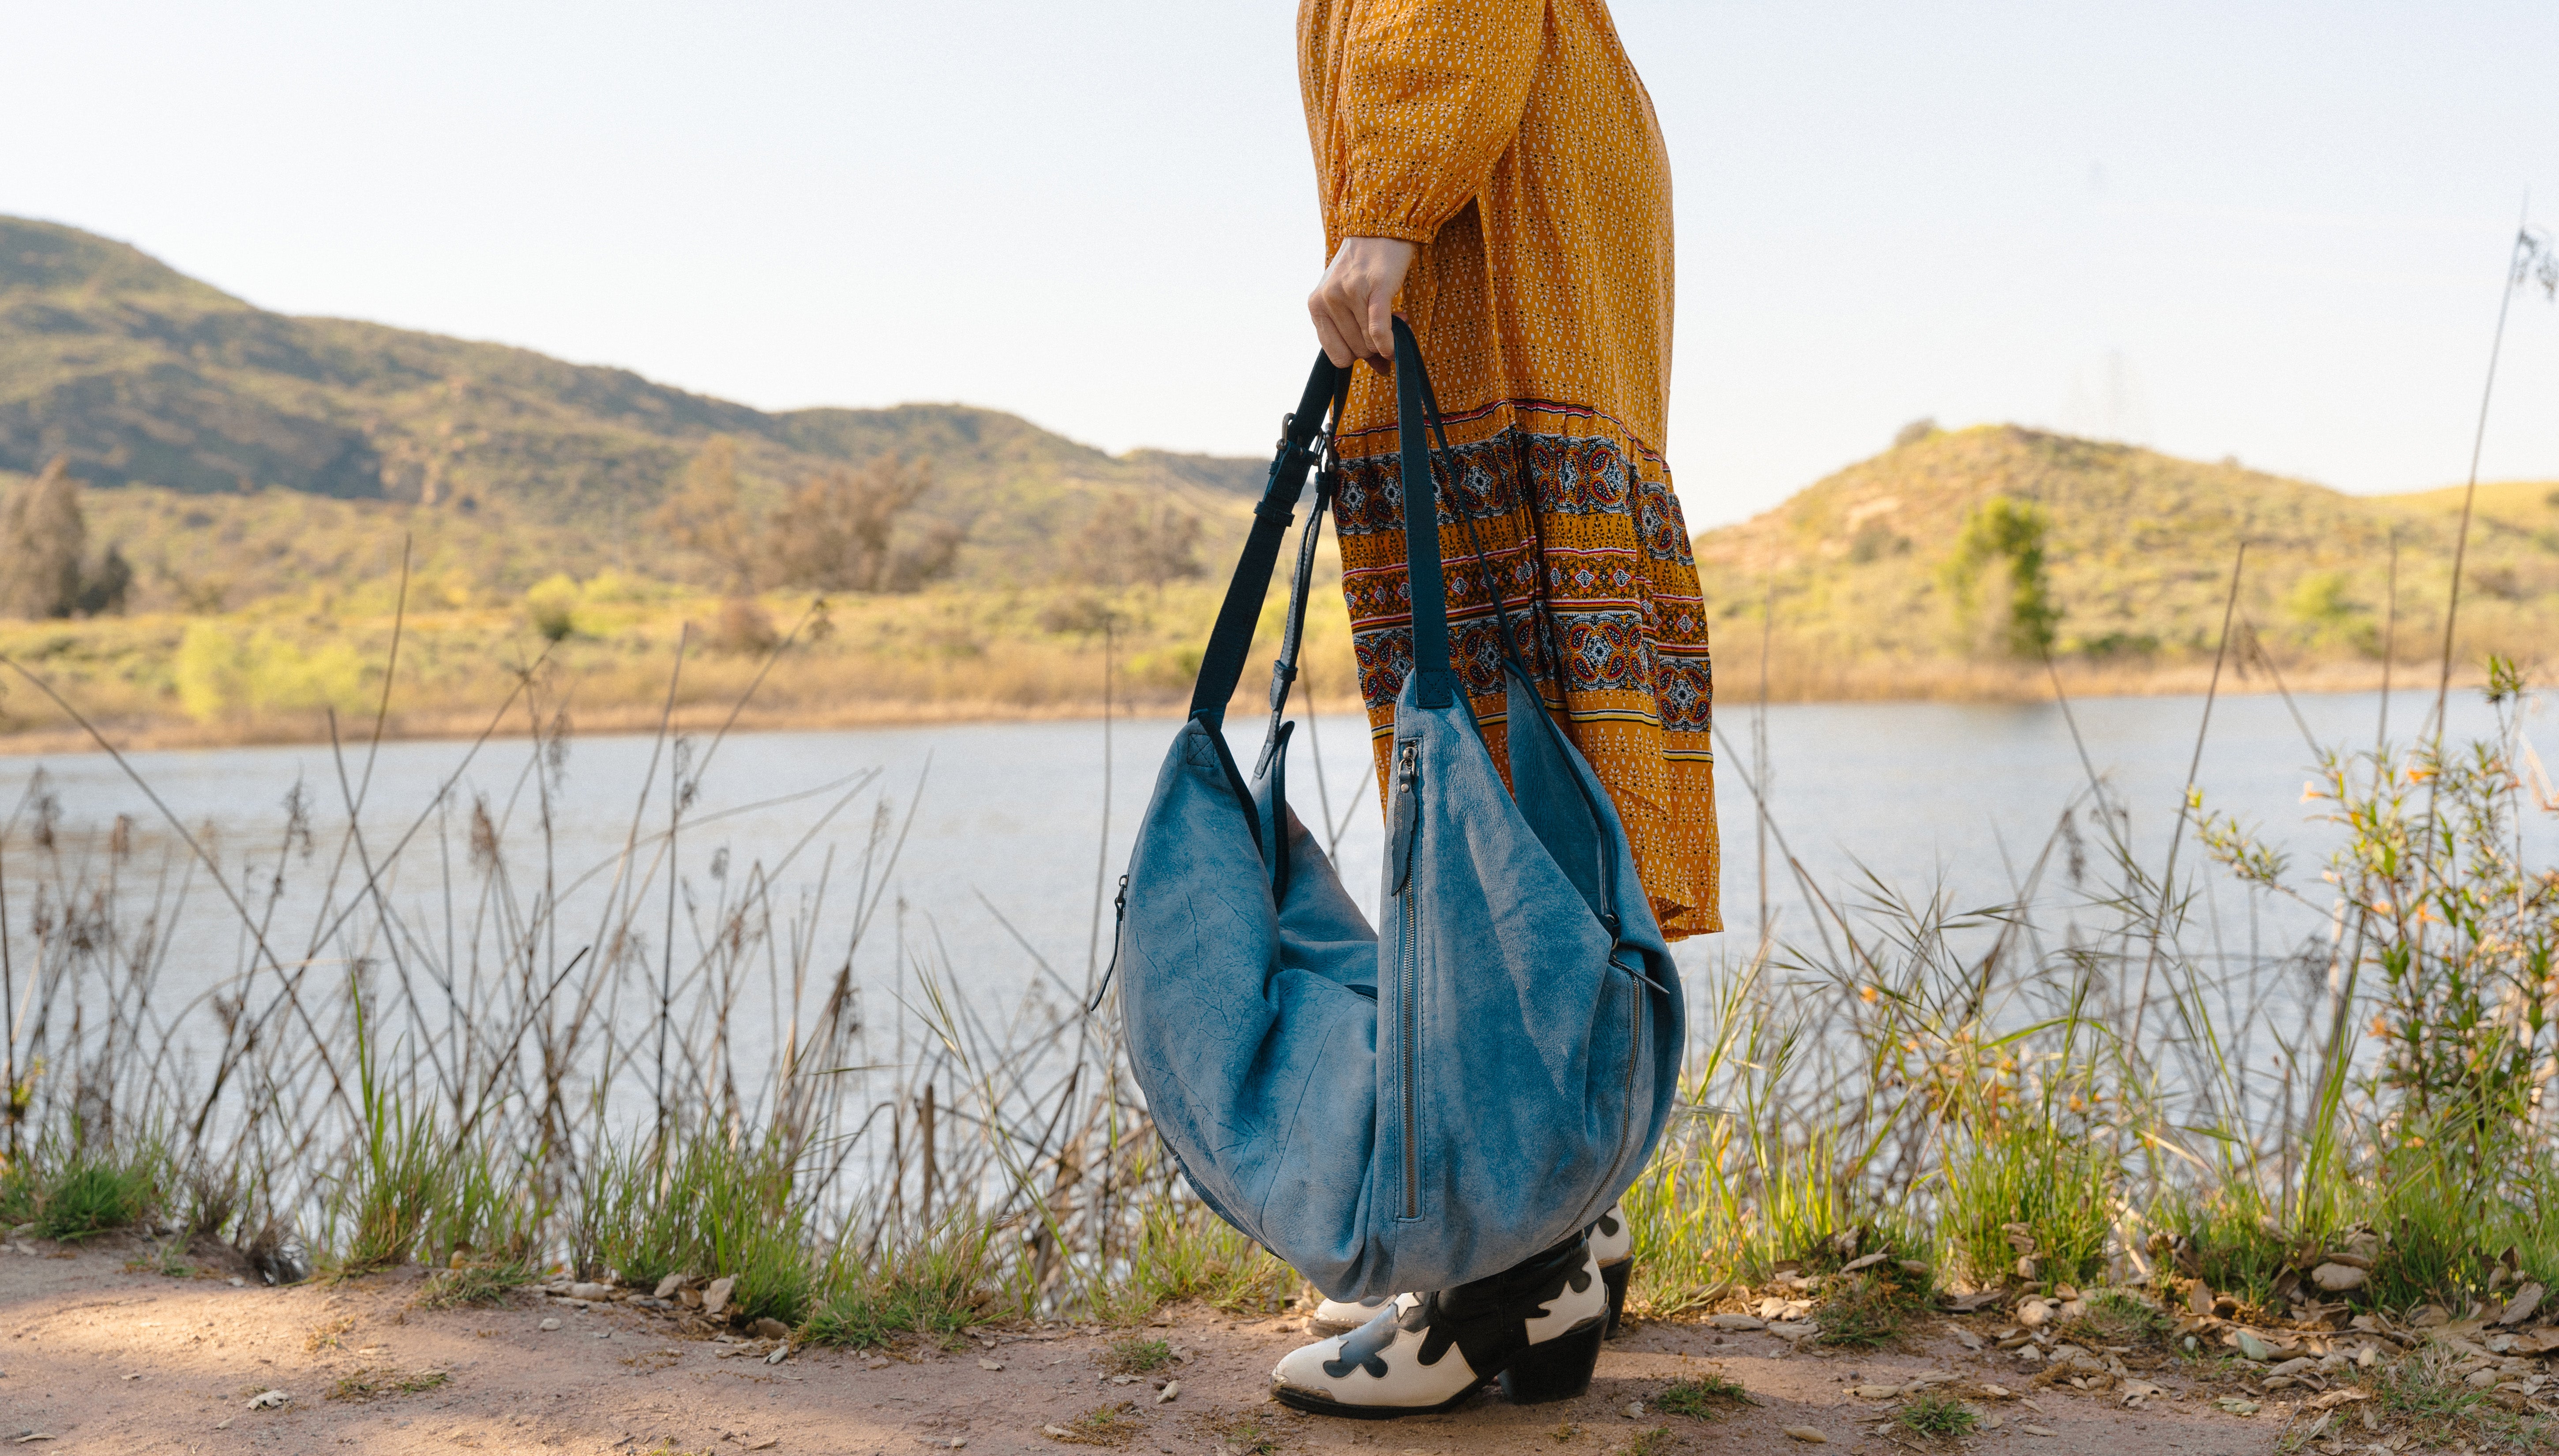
{"x":274,"y":678}
{"x":2298,"y":1167}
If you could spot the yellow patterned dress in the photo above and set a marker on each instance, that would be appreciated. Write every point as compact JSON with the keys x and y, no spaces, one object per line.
{"x":1513,"y":142}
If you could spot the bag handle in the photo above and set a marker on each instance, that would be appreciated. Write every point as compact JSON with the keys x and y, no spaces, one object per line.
{"x":1222,"y":664}
{"x":1426,"y":584}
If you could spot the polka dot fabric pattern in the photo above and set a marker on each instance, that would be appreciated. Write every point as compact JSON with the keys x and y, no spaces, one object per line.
{"x":1514,"y":143}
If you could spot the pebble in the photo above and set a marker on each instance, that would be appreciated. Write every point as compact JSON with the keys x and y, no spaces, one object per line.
{"x":551,"y":1323}
{"x":990,"y":1365}
{"x":1634,"y":1410}
{"x":1172,"y":1389}
{"x":590,"y":1291}
{"x":268,"y":1399}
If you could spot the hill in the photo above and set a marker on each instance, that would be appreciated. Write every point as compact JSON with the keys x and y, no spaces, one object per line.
{"x":144,"y":378}
{"x":2137,"y":548}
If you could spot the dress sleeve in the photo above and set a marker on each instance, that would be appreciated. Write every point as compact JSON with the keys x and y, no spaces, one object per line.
{"x":1432,"y":96}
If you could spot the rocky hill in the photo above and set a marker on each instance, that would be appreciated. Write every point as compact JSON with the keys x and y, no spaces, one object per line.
{"x":2137,"y":554}
{"x":144,"y":378}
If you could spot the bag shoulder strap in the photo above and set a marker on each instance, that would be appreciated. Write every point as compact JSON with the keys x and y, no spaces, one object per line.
{"x":1222,"y":664}
{"x":1437,"y":684}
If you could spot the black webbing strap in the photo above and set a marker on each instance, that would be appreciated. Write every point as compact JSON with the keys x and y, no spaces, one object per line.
{"x":1222,"y":664}
{"x":1436,"y":687}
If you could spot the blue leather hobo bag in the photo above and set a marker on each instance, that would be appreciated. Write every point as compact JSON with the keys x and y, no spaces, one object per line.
{"x":1431,"y":1106}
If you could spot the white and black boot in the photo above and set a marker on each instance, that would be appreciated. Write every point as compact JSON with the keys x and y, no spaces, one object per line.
{"x":1341,"y":1316}
{"x":1612,"y":1247}
{"x":1536,"y":1327}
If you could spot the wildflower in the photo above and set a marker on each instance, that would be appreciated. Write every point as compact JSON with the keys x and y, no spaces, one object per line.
{"x":1868,"y":994}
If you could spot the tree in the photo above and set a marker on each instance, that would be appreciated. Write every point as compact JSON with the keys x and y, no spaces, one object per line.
{"x":2012,"y":531}
{"x":840,"y":530}
{"x":706,"y":515}
{"x":44,"y":538}
{"x":1915,"y":432}
{"x":1129,"y":543}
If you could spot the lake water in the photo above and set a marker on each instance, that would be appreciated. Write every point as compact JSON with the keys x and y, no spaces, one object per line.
{"x":1014,"y":816}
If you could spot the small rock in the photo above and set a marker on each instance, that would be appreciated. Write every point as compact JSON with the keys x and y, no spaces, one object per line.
{"x":1874,"y":1393}
{"x":269,"y":1400}
{"x":715,"y":1298}
{"x":1634,"y":1410}
{"x":667,"y":1286}
{"x":2037,"y":1430}
{"x":958,"y":1443}
{"x":878,"y":1361}
{"x":1736,"y":1322}
{"x":1808,"y":1433}
{"x":238,"y":1283}
{"x":990,"y":1365}
{"x":769,"y":1328}
{"x":1057,"y":1433}
{"x":2480,"y":1380}
{"x":551,"y":1323}
{"x":2033,"y":1313}
{"x":2233,"y":1405}
{"x":2337,"y":1278}
{"x":590,"y":1290}
{"x":1172,"y":1389}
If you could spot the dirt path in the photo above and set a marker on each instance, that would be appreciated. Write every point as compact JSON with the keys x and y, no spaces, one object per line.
{"x":101,"y":1359}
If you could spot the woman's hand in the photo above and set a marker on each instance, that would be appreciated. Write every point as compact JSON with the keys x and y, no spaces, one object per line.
{"x":1354,"y":305}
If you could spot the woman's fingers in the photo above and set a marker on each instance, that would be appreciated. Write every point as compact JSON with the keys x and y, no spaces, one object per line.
{"x":1353,"y":306}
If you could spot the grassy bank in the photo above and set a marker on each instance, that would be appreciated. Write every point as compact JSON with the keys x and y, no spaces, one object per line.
{"x":433,"y":1059}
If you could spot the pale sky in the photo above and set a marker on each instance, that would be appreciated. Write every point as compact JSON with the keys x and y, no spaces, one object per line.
{"x":2268,"y":231}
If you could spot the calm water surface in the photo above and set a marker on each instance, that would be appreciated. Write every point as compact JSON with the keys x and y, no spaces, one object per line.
{"x":1012,"y":818}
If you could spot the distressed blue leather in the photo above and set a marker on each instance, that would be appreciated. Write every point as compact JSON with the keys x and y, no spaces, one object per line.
{"x":1431,"y":1105}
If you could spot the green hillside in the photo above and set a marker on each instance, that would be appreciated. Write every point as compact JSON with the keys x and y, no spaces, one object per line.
{"x":2137,"y":553}
{"x":141,"y":377}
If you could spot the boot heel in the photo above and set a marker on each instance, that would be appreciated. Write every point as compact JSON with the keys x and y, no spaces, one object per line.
{"x":1557,"y":1369}
{"x":1615,"y":1277}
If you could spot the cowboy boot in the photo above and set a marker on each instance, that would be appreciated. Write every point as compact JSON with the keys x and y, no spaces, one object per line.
{"x":1612,"y":1247}
{"x":1536,"y":1327}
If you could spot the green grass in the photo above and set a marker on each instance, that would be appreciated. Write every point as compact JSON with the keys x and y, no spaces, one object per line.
{"x":2117,"y":1318}
{"x":1650,"y":1441}
{"x":89,"y":1191}
{"x":713,"y":1207}
{"x":1936,"y":1415}
{"x":1136,"y":1354}
{"x":1245,"y":1433}
{"x":1185,"y":1252}
{"x":472,"y":1286}
{"x":935,"y":1289}
{"x":1114,"y":1424}
{"x":1702,"y":1397}
{"x":1868,"y":1310}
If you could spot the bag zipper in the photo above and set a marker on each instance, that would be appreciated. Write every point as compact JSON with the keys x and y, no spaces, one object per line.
{"x":1408,"y":782}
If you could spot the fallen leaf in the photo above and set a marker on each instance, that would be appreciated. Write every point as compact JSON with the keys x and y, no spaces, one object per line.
{"x":2236,"y":1407}
{"x":1736,"y":1322}
{"x":2339,"y":1396}
{"x":2520,"y":1307}
{"x":2252,"y":1347}
{"x":2038,"y":1430}
{"x":1968,"y":1339}
{"x":268,"y":1399}
{"x":1874,"y":1393}
{"x":1808,"y":1433}
{"x":1058,"y":1431}
{"x":767,"y":1444}
{"x":1172,"y":1389}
